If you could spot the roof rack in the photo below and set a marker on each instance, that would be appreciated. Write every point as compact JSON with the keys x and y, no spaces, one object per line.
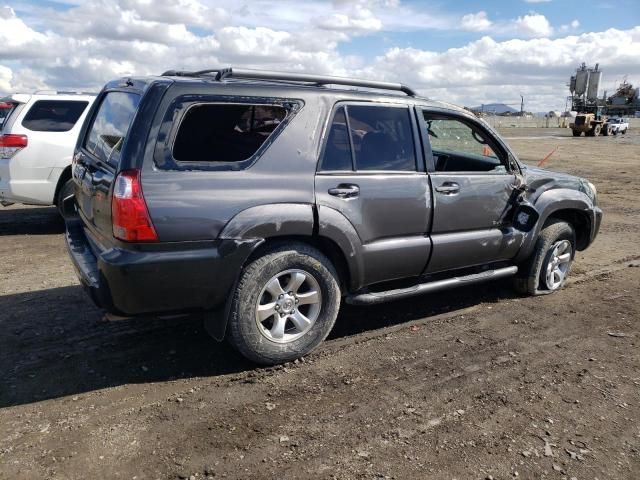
{"x":224,"y":73}
{"x":62,"y":92}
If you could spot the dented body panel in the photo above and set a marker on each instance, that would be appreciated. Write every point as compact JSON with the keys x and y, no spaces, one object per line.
{"x":211,"y":217}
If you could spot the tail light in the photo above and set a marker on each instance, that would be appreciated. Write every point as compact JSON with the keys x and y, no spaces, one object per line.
{"x":11,"y":144}
{"x":129,"y":213}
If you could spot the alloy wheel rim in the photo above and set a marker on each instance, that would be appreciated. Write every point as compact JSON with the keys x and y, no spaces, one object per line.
{"x":288,"y":306}
{"x":558,"y":264}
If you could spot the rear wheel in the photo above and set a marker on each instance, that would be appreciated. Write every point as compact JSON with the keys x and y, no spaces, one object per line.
{"x":548,"y":267}
{"x":65,"y":192}
{"x":285,"y":304}
{"x":624,"y":131}
{"x":576,"y":133}
{"x":606,"y":130}
{"x":596,"y":130}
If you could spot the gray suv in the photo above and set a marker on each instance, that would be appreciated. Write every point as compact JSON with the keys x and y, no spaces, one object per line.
{"x":266,"y":198}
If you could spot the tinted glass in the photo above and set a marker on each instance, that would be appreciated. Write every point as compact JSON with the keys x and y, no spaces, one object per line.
{"x":337,"y":152}
{"x":111,"y":124}
{"x":53,"y":115}
{"x":382,"y":138}
{"x":225,"y":132}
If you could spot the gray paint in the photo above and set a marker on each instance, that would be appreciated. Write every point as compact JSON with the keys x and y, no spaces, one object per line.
{"x":398,"y":226}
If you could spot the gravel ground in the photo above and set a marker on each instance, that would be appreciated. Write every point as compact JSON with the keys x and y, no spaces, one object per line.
{"x":473,"y":383}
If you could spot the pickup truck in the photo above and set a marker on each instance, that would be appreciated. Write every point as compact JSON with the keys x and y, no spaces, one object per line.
{"x":618,"y":125}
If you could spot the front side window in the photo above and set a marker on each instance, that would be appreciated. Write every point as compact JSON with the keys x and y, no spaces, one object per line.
{"x":53,"y":115}
{"x":111,"y":125}
{"x":225,"y":132}
{"x":460,"y":146}
{"x":374,"y":137}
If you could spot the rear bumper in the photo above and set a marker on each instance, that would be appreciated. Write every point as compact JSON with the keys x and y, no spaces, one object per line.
{"x":178,"y":278}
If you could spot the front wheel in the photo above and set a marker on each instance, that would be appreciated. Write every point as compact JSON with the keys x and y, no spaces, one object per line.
{"x":285,"y":304}
{"x":576,"y":133}
{"x":548,"y":267}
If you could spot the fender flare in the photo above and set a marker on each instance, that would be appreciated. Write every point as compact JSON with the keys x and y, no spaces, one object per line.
{"x":334,"y":226}
{"x":552,"y":201}
{"x":272,"y":220}
{"x":255,"y":224}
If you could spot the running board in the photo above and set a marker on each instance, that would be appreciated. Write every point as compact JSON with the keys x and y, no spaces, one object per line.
{"x":370,"y":298}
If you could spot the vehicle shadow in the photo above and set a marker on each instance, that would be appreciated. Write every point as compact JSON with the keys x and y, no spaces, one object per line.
{"x":30,"y":221}
{"x":55,"y":343}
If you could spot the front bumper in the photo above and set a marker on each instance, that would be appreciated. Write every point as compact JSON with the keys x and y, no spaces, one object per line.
{"x":175,"y":277}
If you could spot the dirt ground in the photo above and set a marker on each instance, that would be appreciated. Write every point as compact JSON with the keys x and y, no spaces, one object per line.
{"x":474,"y":383}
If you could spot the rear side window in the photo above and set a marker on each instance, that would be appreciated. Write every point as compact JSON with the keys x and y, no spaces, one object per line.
{"x":225,"y":132}
{"x":111,"y":124}
{"x":53,"y":115}
{"x":377,"y":138}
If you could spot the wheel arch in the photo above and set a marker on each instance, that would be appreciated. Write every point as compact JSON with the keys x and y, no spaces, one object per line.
{"x":570,"y":205}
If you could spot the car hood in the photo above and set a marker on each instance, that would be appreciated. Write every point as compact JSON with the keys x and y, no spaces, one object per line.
{"x":539,"y":180}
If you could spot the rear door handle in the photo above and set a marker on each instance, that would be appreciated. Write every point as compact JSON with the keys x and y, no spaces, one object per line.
{"x":448,"y":188}
{"x":345,"y":190}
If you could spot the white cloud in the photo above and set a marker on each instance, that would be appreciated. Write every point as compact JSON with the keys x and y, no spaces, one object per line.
{"x":571,"y":26}
{"x":87,"y":45}
{"x":533,"y":25}
{"x":476,"y":22}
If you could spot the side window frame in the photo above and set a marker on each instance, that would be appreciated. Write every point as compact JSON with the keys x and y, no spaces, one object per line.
{"x":415,"y":133}
{"x":179,"y":107}
{"x":494,"y":143}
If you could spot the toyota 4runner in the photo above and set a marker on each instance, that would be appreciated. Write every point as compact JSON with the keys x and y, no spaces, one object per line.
{"x":265,"y":198}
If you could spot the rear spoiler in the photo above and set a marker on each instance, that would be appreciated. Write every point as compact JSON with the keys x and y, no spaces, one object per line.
{"x":16,"y":98}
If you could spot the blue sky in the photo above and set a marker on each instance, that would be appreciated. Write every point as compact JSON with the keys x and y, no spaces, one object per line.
{"x":465,"y":52}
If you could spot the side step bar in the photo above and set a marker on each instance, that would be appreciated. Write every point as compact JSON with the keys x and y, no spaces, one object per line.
{"x":370,"y":298}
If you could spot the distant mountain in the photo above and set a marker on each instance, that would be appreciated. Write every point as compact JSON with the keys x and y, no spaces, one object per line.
{"x":494,"y":107}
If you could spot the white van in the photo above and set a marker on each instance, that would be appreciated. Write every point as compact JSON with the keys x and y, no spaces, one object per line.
{"x":37,"y":139}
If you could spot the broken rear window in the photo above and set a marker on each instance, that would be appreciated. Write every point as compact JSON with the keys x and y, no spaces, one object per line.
{"x":225,"y":132}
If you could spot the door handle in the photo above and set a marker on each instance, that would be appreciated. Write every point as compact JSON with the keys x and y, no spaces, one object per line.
{"x":448,"y":188}
{"x":345,"y":190}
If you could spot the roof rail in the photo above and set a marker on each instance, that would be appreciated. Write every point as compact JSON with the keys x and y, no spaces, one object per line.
{"x":223,"y":73}
{"x":62,"y":92}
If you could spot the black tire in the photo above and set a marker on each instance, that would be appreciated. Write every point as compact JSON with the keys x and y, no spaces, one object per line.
{"x":576,"y":133}
{"x":624,"y":131}
{"x":597,"y":130}
{"x":250,"y":336}
{"x":66,"y":189}
{"x":606,"y":130}
{"x":614,"y":132}
{"x":531,"y":278}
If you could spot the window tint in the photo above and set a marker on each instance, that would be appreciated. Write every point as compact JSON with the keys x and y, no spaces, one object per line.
{"x":337,"y":153}
{"x":5,"y":111}
{"x":225,"y":132}
{"x":111,"y":124}
{"x":381,"y":138}
{"x":53,"y":115}
{"x":458,"y":146}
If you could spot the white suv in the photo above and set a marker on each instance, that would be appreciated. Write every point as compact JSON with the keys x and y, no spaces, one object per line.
{"x":37,"y":139}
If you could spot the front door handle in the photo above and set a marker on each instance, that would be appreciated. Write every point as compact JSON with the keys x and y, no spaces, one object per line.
{"x":448,"y":188}
{"x":345,"y":190}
